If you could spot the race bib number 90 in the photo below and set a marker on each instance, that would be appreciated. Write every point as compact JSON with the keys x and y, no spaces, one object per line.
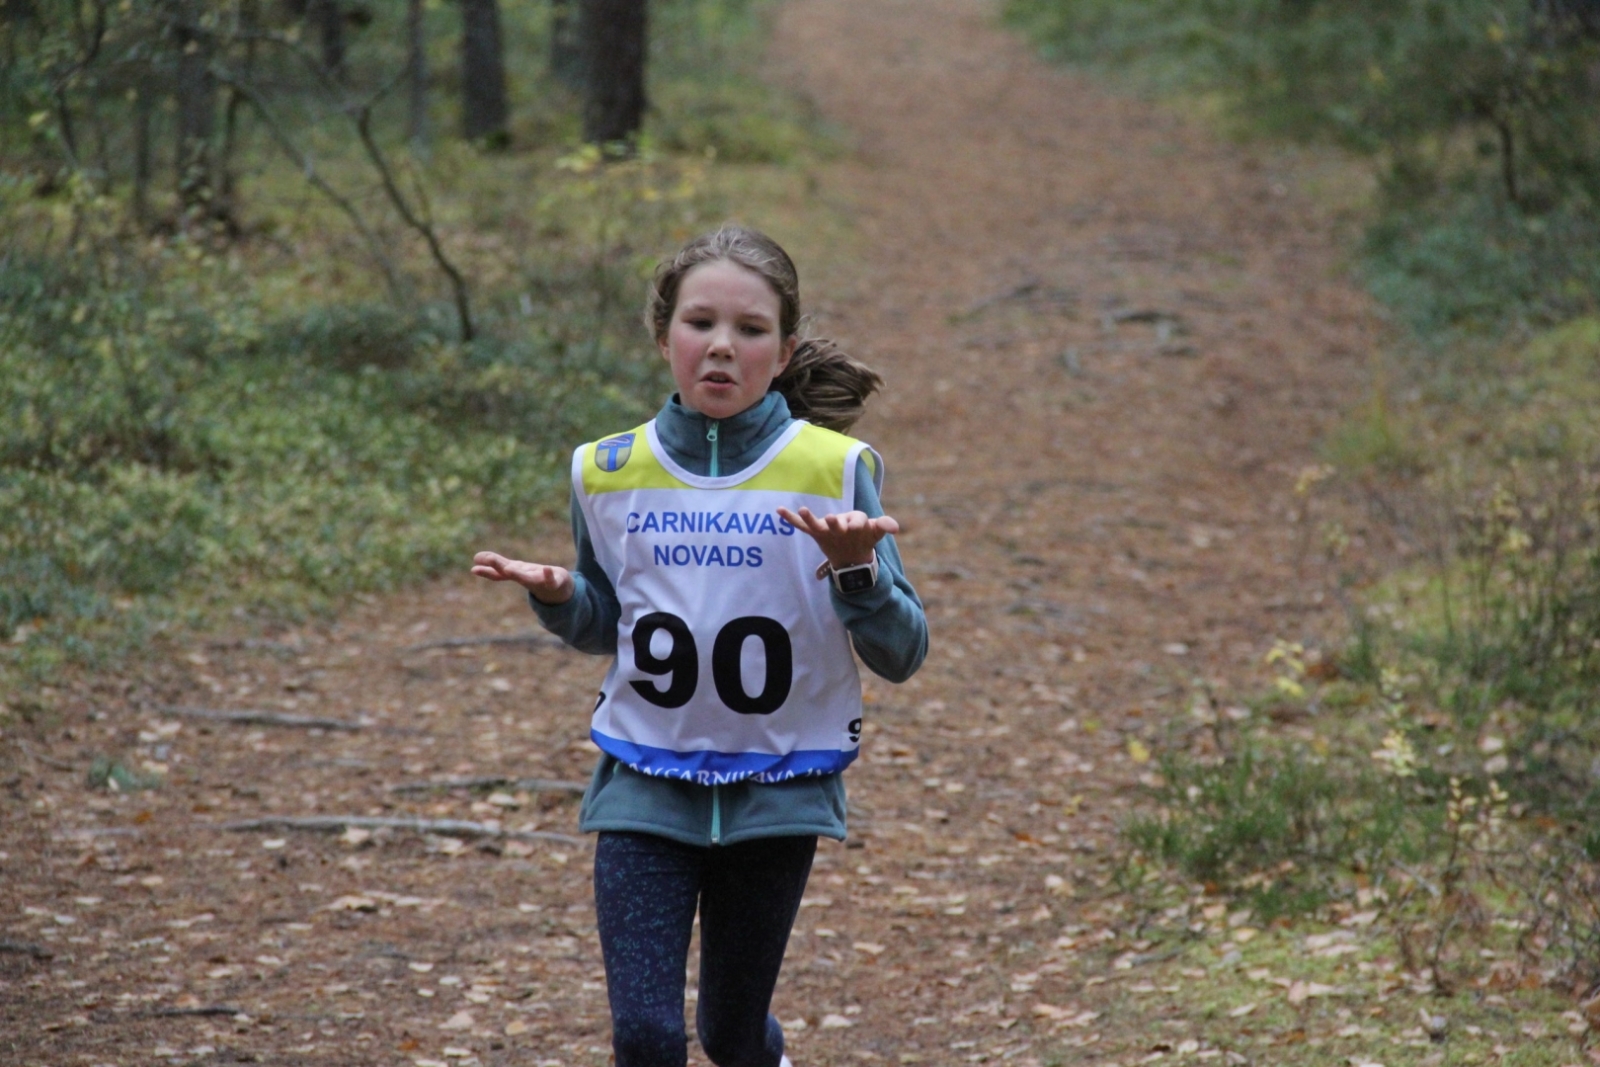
{"x":679,"y":666}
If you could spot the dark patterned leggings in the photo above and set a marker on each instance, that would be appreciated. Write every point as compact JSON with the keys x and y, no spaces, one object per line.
{"x":646,"y":889}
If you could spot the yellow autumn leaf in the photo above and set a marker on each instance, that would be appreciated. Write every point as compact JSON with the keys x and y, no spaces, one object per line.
{"x":1138,"y":751}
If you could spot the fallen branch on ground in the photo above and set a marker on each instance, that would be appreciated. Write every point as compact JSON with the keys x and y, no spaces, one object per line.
{"x":172,"y":1013}
{"x":531,"y":785}
{"x":252,"y":644}
{"x":535,"y":640}
{"x":24,"y":948}
{"x":48,"y":761}
{"x":332,"y":824}
{"x":262,"y":718}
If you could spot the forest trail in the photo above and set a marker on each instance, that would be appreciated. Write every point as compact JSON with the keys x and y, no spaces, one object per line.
{"x":1111,"y":341}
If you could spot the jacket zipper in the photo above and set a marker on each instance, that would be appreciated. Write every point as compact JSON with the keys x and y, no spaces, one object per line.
{"x":713,"y":436}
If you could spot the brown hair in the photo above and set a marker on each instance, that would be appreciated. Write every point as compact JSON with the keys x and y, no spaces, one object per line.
{"x":822,"y":383}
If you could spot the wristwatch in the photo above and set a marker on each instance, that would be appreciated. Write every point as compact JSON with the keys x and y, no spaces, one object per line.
{"x":856,"y":579}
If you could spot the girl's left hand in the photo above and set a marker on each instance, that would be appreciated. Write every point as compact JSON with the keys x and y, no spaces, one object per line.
{"x":847,"y":540}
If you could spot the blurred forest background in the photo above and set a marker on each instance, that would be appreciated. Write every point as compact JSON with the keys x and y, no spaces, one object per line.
{"x":1459,"y":141}
{"x":299,"y":296}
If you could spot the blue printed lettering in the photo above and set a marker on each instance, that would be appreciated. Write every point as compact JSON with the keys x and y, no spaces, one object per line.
{"x":714,"y":556}
{"x":669,"y":522}
{"x":752,"y":556}
{"x":680,"y":555}
{"x":633,"y":522}
{"x":661,"y":555}
{"x":651,"y":523}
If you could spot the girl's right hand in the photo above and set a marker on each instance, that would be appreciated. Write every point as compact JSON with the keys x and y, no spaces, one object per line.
{"x":549,"y":585}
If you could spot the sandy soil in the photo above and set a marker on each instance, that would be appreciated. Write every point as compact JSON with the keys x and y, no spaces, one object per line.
{"x":1111,"y":340}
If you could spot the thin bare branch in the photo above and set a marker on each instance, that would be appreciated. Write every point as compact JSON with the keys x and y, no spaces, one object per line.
{"x":535,"y":640}
{"x":201,"y":1012}
{"x":48,"y":761}
{"x":263,"y":718}
{"x":531,"y":785}
{"x":24,"y":948}
{"x":458,"y":285}
{"x":332,"y":824}
{"x":308,"y":168}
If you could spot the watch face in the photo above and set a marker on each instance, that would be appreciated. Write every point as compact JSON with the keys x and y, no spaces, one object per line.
{"x":855,"y":580}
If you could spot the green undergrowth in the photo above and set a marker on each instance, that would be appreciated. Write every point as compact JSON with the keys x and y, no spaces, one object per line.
{"x":1279,"y":824}
{"x":1493,"y":609}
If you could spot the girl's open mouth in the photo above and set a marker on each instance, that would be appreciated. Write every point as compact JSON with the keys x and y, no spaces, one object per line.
{"x":718,"y":378}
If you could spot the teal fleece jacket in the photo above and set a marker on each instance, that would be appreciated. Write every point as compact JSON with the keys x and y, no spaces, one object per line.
{"x":886,"y":625}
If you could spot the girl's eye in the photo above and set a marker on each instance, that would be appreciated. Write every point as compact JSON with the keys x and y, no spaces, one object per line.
{"x":754,"y":331}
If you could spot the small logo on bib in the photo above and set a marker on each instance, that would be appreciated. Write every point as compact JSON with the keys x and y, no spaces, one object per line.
{"x":855,"y":731}
{"x":612,"y":453}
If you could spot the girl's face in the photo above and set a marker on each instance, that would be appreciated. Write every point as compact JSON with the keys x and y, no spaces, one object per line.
{"x":723,"y":342}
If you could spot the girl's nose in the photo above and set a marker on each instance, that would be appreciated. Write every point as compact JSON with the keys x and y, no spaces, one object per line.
{"x":721,"y":343}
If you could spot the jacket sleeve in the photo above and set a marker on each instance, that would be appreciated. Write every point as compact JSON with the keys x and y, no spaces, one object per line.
{"x":886,"y":623}
{"x":587,"y":622}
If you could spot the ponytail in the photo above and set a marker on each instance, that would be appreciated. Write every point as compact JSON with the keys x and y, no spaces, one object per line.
{"x":825,"y":386}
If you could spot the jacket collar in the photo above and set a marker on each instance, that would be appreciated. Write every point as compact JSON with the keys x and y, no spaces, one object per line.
{"x":741,"y":437}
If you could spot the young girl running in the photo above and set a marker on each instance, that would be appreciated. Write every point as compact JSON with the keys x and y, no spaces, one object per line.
{"x":730,"y":553}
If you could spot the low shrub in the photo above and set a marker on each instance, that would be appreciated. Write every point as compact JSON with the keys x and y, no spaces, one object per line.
{"x":1277,"y":824}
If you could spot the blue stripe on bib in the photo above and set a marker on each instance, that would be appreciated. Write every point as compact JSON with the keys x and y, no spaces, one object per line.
{"x":707,"y":767}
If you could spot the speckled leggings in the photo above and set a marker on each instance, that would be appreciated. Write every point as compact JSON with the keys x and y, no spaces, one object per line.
{"x":646,"y":889}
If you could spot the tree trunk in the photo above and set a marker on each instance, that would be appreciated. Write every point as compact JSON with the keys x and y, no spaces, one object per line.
{"x":143,"y":112}
{"x":327,"y":18}
{"x":197,"y":105}
{"x":1570,"y":16}
{"x":566,"y":44}
{"x":224,"y":207}
{"x":417,"y":72}
{"x":484,"y":112}
{"x":614,"y":39}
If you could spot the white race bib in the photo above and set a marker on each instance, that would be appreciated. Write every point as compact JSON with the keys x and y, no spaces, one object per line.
{"x":731,"y":663}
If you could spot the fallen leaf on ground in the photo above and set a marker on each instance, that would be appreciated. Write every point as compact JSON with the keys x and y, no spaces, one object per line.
{"x":354,"y":903}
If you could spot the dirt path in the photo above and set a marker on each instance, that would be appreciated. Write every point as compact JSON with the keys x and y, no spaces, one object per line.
{"x":1111,"y":341}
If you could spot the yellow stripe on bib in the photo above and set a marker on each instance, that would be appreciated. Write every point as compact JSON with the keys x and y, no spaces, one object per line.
{"x":812,"y":465}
